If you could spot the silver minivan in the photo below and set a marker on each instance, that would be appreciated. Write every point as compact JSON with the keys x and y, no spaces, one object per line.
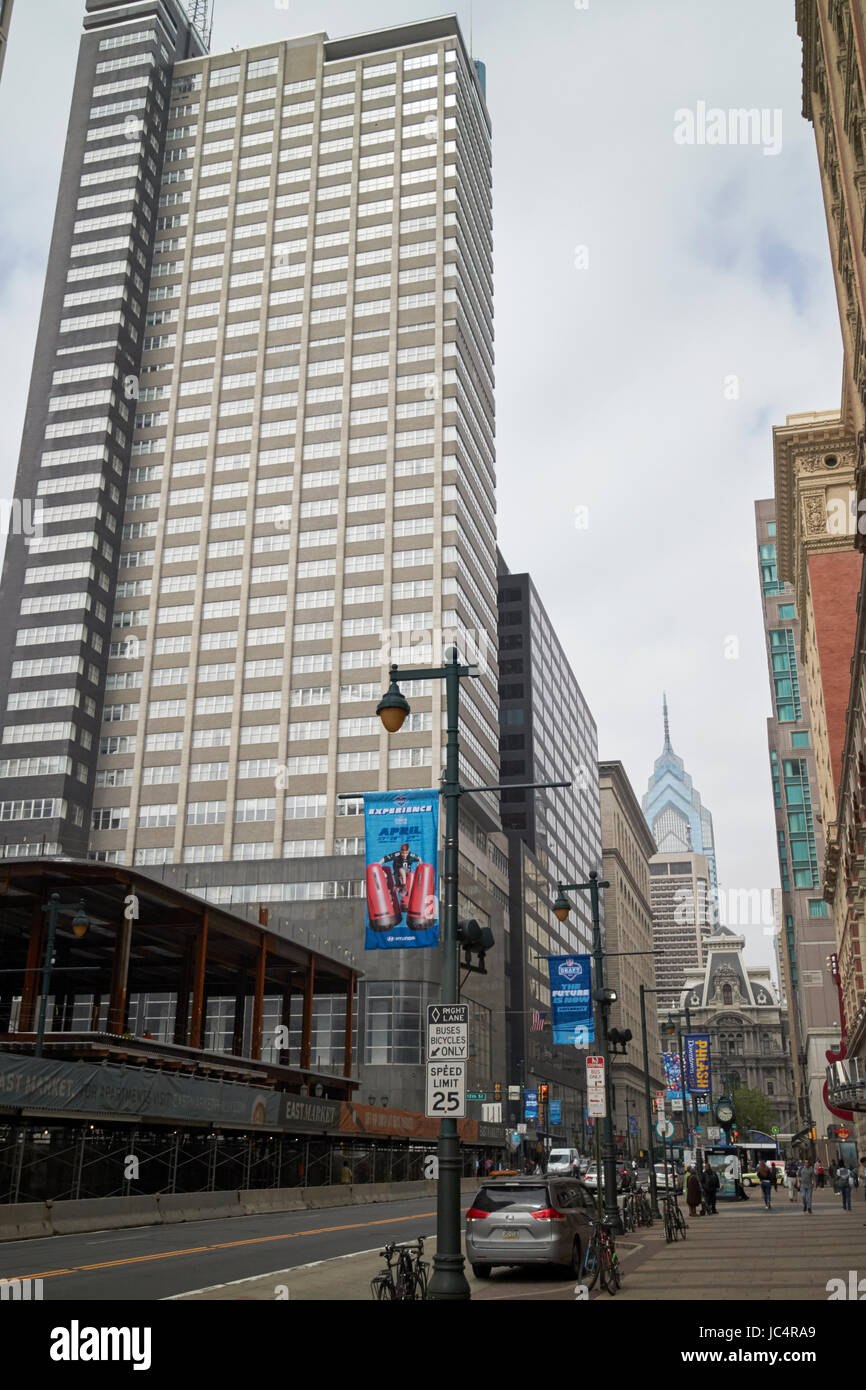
{"x":522,"y":1221}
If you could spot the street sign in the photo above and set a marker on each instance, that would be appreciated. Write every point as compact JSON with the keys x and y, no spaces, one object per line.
{"x":521,"y":1129}
{"x":446,"y":1090}
{"x":714,"y":1134}
{"x":515,"y":1140}
{"x":447,"y":1032}
{"x":476,"y":1095}
{"x":665,"y":1129}
{"x":595,"y":1096}
{"x":514,"y":1093}
{"x":774,"y":1129}
{"x":491,"y":1114}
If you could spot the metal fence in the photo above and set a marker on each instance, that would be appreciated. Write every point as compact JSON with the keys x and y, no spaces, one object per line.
{"x":73,"y":1162}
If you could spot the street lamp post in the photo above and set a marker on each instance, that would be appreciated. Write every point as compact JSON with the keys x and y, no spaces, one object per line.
{"x":654,"y":1195}
{"x":80,"y":924}
{"x":448,"y":1280}
{"x":561,"y":908}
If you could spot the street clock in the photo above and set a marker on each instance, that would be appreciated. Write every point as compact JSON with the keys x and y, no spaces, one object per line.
{"x":724,"y":1111}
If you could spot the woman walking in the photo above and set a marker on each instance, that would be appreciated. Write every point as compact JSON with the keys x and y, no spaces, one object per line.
{"x":842,"y":1183}
{"x":694,"y":1195}
{"x":806,"y":1179}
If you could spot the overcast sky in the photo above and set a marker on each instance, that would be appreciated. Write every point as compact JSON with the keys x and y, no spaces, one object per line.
{"x":634,"y":277}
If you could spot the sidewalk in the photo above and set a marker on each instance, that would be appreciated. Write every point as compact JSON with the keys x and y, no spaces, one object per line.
{"x":744,"y":1252}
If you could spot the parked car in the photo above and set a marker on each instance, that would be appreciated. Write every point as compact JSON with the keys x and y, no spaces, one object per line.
{"x":623,"y":1177}
{"x":673,"y":1180}
{"x":564,"y":1162}
{"x":539,"y":1220}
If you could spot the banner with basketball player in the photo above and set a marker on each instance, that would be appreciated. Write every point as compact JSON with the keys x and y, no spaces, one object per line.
{"x":402,"y":843}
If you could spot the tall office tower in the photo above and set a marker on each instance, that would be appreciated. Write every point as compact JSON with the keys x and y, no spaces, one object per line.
{"x":5,"y":19}
{"x":62,"y":555}
{"x":547,"y":734}
{"x":813,"y":618}
{"x":683,"y":912}
{"x":678,"y":819}
{"x":834,"y":82}
{"x":311,"y":493}
{"x":628,"y":850}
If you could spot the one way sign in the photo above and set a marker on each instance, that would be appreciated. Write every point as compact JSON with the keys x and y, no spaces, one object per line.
{"x":447,"y":1032}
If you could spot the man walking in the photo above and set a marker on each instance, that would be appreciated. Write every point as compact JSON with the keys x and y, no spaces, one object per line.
{"x":806,"y":1178}
{"x":766,"y":1184}
{"x":791,"y":1179}
{"x":710,"y":1185}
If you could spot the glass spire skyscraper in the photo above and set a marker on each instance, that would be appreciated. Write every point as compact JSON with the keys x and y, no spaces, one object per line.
{"x":674,"y":812}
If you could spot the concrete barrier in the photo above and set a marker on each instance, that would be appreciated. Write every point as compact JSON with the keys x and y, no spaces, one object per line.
{"x":198,"y":1206}
{"x":261,"y":1201}
{"x":29,"y":1220}
{"x":102,"y":1214}
{"x":25,"y":1221}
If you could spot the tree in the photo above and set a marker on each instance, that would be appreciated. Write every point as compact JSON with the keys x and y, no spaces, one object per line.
{"x":752,"y":1110}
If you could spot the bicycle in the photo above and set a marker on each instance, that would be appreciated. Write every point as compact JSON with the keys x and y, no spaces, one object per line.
{"x":674,"y":1221}
{"x":601,"y":1259}
{"x":405,"y":1277}
{"x":644,"y":1210}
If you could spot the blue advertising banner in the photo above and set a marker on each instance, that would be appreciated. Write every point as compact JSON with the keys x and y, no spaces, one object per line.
{"x":402,"y":841}
{"x":671,"y":1063}
{"x":697,"y":1054}
{"x":530,"y":1105}
{"x":556,"y":1112}
{"x":571,"y":999}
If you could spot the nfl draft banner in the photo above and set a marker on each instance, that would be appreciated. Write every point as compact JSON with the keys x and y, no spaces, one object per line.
{"x":571,"y":999}
{"x":402,"y":835}
{"x":671,"y":1062}
{"x":698,"y":1075}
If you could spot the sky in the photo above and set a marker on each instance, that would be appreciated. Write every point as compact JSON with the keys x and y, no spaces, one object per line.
{"x":659,"y":306}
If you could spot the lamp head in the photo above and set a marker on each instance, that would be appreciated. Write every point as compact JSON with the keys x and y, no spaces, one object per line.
{"x":562,"y":906}
{"x":80,"y":921}
{"x":393,"y":707}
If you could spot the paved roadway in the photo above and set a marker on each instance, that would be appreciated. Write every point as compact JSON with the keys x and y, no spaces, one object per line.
{"x":153,"y":1262}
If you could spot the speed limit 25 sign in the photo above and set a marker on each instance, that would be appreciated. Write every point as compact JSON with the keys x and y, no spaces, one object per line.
{"x":446,"y":1090}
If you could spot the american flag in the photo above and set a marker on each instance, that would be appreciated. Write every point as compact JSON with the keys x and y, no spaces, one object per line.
{"x":538,"y":1022}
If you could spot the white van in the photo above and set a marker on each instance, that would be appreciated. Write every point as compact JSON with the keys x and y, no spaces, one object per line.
{"x":563,"y":1162}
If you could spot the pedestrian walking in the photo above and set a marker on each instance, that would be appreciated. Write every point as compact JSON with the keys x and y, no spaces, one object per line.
{"x":842,"y":1183}
{"x":863,"y":1165}
{"x":806,"y":1181}
{"x":693,"y":1192}
{"x":710,"y":1185}
{"x":820,"y":1174}
{"x":766,"y":1181}
{"x":791,"y":1179}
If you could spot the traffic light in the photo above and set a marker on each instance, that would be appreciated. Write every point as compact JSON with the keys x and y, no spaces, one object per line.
{"x":497,"y":1090}
{"x":542,"y":1092}
{"x":474,"y":940}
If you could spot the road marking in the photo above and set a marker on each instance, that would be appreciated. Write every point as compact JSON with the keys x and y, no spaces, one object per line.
{"x":223,"y":1245}
{"x":294,"y":1269}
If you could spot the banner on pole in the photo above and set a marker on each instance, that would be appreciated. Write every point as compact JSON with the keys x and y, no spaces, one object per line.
{"x":697,"y":1054}
{"x":571,"y":999}
{"x":402,"y":844}
{"x":671,"y":1061}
